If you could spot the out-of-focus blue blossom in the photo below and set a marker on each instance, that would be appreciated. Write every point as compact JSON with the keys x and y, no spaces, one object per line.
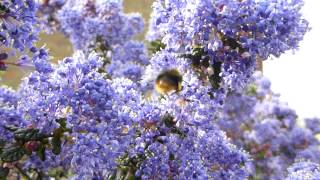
{"x":10,"y":116}
{"x":128,"y":60}
{"x":304,"y":171}
{"x":134,"y":51}
{"x":129,"y":70}
{"x":9,"y":113}
{"x":313,"y":124}
{"x":267,"y":128}
{"x":86,"y":21}
{"x":8,"y":97}
{"x":47,"y":11}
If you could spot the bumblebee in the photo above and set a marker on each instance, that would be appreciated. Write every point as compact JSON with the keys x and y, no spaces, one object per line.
{"x":168,"y":81}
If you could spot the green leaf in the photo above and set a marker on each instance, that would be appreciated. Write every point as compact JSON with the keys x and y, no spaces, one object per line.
{"x":156,"y":46}
{"x":62,"y":122}
{"x":260,"y":155}
{"x":11,"y":128}
{"x":4,"y":172}
{"x":2,"y":143}
{"x":12,"y":154}
{"x":42,"y":152}
{"x":215,"y":79}
{"x":251,"y":90}
{"x":28,"y":135}
{"x":112,"y":176}
{"x":121,"y":172}
{"x":130,"y":175}
{"x":56,"y":145}
{"x":171,"y":157}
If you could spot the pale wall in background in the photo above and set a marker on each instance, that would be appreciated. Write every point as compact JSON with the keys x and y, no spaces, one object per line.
{"x":297,"y":76}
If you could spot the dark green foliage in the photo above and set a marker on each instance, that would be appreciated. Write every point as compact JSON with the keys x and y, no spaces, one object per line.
{"x":28,"y":135}
{"x":42,"y":152}
{"x":156,"y":46}
{"x":215,"y":79}
{"x":3,"y":172}
{"x":12,"y":154}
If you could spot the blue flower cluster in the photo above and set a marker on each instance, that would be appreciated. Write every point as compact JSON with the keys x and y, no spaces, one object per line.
{"x":262,"y":28}
{"x":183,"y":111}
{"x":268,"y":129}
{"x":182,"y":140}
{"x":236,"y":33}
{"x":304,"y":170}
{"x":97,"y":110}
{"x":112,"y":126}
{"x":17,"y":20}
{"x":48,"y":12}
{"x":128,"y":60}
{"x":9,"y":115}
{"x":18,"y":26}
{"x":86,"y":21}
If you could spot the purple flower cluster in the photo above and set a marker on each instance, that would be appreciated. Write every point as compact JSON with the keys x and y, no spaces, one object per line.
{"x":48,"y":10}
{"x":18,"y":21}
{"x":86,"y":21}
{"x":96,"y":109}
{"x":8,"y":113}
{"x":263,"y":28}
{"x":268,"y":129}
{"x":128,"y":60}
{"x":112,"y":112}
{"x":236,"y":33}
{"x":304,"y":170}
{"x":18,"y":26}
{"x":180,"y":138}
{"x":112,"y":125}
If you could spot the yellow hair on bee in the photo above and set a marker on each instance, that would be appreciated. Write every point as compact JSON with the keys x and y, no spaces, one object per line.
{"x":168,"y":81}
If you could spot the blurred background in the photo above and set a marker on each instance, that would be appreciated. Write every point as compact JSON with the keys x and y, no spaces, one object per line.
{"x":59,"y":46}
{"x":295,"y":76}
